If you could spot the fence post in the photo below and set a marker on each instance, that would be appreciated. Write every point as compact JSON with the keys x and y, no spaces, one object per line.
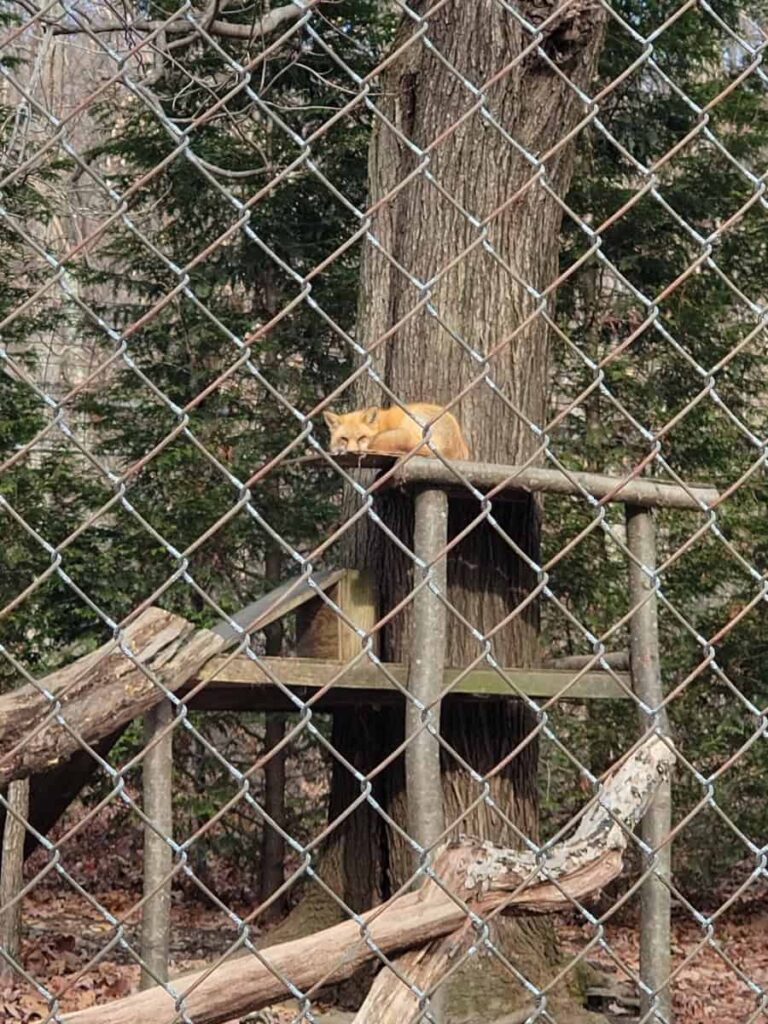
{"x":655,"y":926}
{"x":425,"y":676}
{"x":12,"y":873}
{"x":157,"y":778}
{"x":424,"y":789}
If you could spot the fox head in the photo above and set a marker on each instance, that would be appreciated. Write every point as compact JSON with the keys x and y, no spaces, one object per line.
{"x":351,"y":431}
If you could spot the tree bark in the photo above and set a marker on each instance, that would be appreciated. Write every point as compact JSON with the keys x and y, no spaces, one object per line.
{"x":482,"y":299}
{"x":98,"y":693}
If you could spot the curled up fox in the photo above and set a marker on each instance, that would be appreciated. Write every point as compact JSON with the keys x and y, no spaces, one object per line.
{"x":394,"y":431}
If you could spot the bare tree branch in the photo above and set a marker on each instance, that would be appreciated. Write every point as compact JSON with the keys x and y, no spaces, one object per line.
{"x":225,"y":29}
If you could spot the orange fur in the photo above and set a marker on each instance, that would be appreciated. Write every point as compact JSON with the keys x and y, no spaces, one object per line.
{"x":394,"y":432}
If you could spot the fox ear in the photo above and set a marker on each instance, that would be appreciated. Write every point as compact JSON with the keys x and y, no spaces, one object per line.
{"x":331,"y":419}
{"x":370,"y":415}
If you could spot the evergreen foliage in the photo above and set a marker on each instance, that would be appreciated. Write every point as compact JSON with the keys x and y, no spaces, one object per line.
{"x":691,"y":381}
{"x":685,"y":373}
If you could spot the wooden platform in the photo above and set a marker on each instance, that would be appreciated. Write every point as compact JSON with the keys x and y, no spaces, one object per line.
{"x":239,"y":684}
{"x":506,"y":483}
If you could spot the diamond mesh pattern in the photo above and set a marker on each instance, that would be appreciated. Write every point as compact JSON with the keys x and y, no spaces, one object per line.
{"x":265,"y":114}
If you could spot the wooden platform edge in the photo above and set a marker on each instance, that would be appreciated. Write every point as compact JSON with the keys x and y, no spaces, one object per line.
{"x":510,"y":480}
{"x":241,"y":673}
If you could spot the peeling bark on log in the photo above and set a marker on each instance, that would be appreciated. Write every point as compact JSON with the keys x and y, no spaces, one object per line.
{"x":97,"y":694}
{"x":487,"y":877}
{"x":587,"y":862}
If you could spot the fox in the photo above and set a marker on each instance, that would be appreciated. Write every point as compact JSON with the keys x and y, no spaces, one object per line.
{"x":393,"y":432}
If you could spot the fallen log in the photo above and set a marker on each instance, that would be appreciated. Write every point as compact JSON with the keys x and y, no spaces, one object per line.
{"x":487,"y":878}
{"x":584,"y":863}
{"x":43,"y":724}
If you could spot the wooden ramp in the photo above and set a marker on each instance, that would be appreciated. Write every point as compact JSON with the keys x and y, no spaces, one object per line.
{"x":281,"y":601}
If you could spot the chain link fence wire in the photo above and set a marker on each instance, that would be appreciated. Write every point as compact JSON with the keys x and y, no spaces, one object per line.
{"x":185,"y":202}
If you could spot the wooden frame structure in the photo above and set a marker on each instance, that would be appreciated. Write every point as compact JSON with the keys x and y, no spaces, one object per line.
{"x":333,"y":668}
{"x":432,"y":482}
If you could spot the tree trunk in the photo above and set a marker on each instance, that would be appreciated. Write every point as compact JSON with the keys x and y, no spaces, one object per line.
{"x":272,"y":843}
{"x":473,"y":171}
{"x":482,"y":301}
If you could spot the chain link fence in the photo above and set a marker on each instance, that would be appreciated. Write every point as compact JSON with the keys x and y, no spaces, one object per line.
{"x":422,"y":702}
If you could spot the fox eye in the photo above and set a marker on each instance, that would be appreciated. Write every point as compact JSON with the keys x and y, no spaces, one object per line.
{"x":343,"y":440}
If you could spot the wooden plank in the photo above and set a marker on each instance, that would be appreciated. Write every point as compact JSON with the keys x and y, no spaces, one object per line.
{"x":643,"y":491}
{"x":279,"y":602}
{"x":313,"y":673}
{"x":356,"y":595}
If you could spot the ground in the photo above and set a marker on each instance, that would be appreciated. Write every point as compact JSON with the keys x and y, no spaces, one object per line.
{"x":63,"y":932}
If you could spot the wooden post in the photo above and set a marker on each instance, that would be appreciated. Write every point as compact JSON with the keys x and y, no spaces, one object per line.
{"x":157,"y":774}
{"x":426,"y":818}
{"x":12,"y":874}
{"x":655,"y":927}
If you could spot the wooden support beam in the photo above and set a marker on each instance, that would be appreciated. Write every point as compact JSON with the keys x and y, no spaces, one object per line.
{"x":237,"y":682}
{"x":655,"y":899}
{"x":423,"y":783}
{"x":513,"y":479}
{"x":12,"y":878}
{"x":424,"y":789}
{"x":157,"y":779}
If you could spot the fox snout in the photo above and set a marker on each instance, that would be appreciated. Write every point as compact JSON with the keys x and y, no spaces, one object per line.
{"x":342,"y":445}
